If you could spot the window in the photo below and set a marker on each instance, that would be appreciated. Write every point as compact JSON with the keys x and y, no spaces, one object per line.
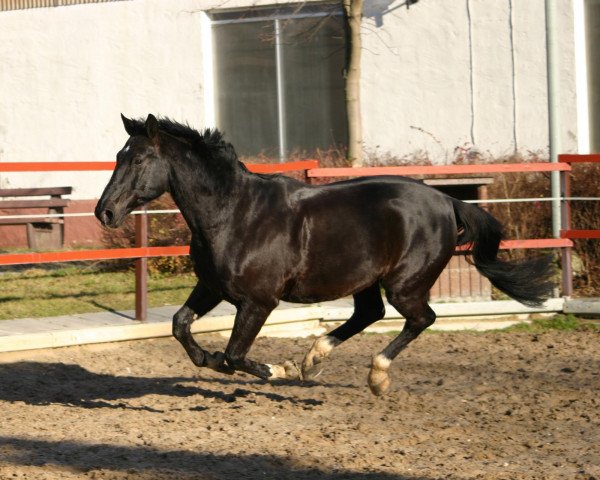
{"x":279,"y":79}
{"x":592,"y":16}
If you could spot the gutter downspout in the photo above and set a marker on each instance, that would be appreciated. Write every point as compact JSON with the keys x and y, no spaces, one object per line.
{"x":552,"y":62}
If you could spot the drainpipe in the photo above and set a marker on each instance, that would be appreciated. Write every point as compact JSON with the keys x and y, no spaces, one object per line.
{"x":552,"y":62}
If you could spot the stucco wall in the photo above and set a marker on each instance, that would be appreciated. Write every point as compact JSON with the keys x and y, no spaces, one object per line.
{"x":68,"y":72}
{"x":469,"y":73}
{"x":441,"y":75}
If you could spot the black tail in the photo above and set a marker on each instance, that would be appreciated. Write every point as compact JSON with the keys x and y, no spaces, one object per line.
{"x":528,"y":282}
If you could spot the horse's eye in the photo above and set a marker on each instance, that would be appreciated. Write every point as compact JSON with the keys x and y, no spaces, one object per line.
{"x":138,"y":160}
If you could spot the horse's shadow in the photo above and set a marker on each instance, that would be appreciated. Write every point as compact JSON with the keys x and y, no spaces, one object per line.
{"x":147,"y":462}
{"x":39,"y":383}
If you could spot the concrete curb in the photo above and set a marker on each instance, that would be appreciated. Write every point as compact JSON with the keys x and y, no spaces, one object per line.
{"x":582,"y":306}
{"x":286,"y":321}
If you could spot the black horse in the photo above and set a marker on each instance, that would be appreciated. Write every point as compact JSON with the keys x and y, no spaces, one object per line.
{"x":259,"y":239}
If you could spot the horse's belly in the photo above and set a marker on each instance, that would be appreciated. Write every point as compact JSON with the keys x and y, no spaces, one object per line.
{"x":313,"y":287}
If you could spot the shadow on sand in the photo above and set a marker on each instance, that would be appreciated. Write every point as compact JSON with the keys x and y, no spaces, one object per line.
{"x":38,"y":383}
{"x":148,"y":463}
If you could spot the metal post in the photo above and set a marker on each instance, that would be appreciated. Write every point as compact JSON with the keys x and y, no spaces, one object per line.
{"x":141,"y":268}
{"x":565,"y":253}
{"x":280,"y":95}
{"x":552,"y":61}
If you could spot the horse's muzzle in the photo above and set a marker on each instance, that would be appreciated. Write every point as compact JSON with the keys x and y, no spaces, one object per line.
{"x":105,"y":215}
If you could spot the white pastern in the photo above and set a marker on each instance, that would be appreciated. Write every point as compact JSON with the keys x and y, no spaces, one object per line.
{"x":322,"y":347}
{"x":381,"y":362}
{"x":277,"y":371}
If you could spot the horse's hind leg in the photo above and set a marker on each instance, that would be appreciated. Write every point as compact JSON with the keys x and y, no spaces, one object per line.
{"x":368,"y":308}
{"x":418,"y":317}
{"x":200,"y":302}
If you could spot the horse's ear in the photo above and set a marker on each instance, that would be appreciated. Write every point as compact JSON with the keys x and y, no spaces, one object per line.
{"x":152,"y":128}
{"x":128,"y":124}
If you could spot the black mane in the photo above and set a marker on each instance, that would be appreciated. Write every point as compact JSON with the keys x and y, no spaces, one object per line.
{"x":208,"y":143}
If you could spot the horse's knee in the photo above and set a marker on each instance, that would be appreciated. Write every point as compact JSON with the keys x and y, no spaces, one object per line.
{"x":424,"y":320}
{"x":369,"y":309}
{"x":181,"y":322}
{"x":416,"y":311}
{"x":372,"y":313}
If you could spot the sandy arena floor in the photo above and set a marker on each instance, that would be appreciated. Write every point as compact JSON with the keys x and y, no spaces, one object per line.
{"x":463,"y":405}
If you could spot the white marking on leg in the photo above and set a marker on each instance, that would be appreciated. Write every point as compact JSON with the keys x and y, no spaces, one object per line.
{"x":379,"y":380}
{"x":320,"y":349}
{"x":277,"y":371}
{"x":323,"y":346}
{"x":381,"y":362}
{"x":288,"y":370}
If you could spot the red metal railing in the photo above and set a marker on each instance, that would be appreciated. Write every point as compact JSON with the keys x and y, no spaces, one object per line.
{"x":566,"y":225}
{"x":141,"y":252}
{"x":438,"y":169}
{"x":460,"y":170}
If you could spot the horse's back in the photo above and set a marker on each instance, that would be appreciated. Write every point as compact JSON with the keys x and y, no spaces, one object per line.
{"x":366,"y":199}
{"x":356,"y":232}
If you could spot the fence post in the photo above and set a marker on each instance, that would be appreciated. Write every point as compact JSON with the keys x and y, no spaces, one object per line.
{"x":307,"y":179}
{"x":141,"y":267}
{"x":565,"y":253}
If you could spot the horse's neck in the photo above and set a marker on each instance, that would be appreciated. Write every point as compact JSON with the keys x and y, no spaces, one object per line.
{"x":204,"y":204}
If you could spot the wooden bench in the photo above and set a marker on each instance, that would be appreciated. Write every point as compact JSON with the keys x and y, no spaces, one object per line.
{"x":43,"y":232}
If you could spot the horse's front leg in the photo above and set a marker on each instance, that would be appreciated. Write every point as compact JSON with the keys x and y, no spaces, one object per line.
{"x":249,"y":319}
{"x":200,"y":302}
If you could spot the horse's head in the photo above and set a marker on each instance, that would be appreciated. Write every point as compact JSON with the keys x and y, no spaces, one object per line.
{"x":141,"y":174}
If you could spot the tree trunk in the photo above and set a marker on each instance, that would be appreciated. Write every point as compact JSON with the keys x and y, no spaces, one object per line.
{"x":353,"y":16}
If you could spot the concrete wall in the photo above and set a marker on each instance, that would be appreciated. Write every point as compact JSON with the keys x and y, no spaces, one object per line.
{"x":441,"y":75}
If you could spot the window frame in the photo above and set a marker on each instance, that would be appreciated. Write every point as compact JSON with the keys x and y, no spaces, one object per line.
{"x":277,"y":14}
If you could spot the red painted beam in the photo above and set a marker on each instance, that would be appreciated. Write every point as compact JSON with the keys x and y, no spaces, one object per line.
{"x":100,"y":166}
{"x":438,"y":169}
{"x":146,"y":252}
{"x":55,"y":166}
{"x":580,"y":234}
{"x":576,"y":158}
{"x":82,"y":255}
{"x":536,"y":243}
{"x":282,"y":167}
{"x":529,"y":243}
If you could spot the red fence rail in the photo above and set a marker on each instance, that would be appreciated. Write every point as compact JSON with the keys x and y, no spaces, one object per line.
{"x":141,"y":252}
{"x":101,"y":166}
{"x":438,"y":169}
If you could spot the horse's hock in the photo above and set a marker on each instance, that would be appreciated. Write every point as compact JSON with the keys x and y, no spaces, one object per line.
{"x":460,"y":280}
{"x":44,"y":232}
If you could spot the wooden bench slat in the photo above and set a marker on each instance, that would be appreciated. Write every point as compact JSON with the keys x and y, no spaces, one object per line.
{"x":31,"y":192}
{"x":25,"y":221}
{"x":49,"y":203}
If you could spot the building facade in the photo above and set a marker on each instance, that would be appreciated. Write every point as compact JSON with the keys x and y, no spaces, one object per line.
{"x":440,"y":76}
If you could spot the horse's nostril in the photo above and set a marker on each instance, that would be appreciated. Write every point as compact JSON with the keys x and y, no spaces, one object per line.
{"x":107,"y":216}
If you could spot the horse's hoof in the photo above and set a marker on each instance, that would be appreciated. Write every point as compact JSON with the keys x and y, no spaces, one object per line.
{"x":379,"y":382}
{"x":216,"y":361}
{"x":379,"y":379}
{"x":320,"y":349}
{"x":292,"y":372}
{"x":288,"y":370}
{"x":311,"y":373}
